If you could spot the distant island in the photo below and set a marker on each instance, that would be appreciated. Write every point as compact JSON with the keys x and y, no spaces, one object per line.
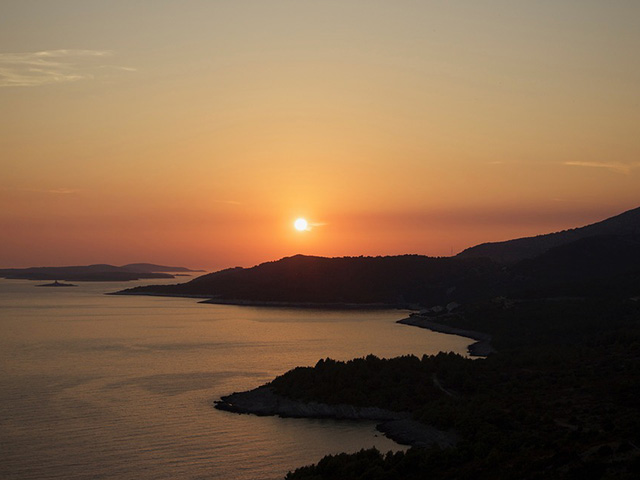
{"x":595,"y":259}
{"x":57,"y":284}
{"x":95,"y":273}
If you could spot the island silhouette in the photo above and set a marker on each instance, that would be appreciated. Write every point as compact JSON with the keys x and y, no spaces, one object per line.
{"x":96,"y":273}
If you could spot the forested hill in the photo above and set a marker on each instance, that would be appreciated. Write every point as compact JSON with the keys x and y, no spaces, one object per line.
{"x":388,"y":280}
{"x":512,"y":251}
{"x":592,"y":266}
{"x":602,"y":265}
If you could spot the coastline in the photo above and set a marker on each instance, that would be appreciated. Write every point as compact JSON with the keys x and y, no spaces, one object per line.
{"x":398,"y":426}
{"x":158,"y":294}
{"x":276,"y":304}
{"x":480,"y":348}
{"x":311,"y":305}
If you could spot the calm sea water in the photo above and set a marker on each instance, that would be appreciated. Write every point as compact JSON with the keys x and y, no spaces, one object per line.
{"x":96,"y":386}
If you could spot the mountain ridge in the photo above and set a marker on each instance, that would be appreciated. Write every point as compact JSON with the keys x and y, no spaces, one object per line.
{"x":512,"y":251}
{"x":587,"y":262}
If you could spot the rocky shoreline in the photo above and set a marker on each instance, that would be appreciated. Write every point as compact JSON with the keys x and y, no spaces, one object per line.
{"x":309,"y":305}
{"x":481,"y":348}
{"x":398,"y":426}
{"x":159,"y":294}
{"x":264,"y":303}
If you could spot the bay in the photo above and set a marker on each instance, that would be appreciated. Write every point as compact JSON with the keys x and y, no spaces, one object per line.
{"x":98,"y":386}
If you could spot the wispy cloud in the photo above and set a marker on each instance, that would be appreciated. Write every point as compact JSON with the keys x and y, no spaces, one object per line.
{"x":61,"y":191}
{"x":618,"y":167}
{"x":312,"y":225}
{"x":32,"y":69}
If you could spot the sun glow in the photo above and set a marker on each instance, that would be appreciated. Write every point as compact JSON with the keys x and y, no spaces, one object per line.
{"x":301,"y":224}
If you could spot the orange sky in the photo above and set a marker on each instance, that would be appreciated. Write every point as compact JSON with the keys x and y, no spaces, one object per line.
{"x":195,"y":132}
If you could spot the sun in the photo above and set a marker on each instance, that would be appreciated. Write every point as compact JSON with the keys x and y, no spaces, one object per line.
{"x":301,"y":224}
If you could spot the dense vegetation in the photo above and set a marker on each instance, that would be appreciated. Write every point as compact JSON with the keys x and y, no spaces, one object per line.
{"x":395,"y":280}
{"x":602,"y":265}
{"x":559,"y":400}
{"x":400,"y":384}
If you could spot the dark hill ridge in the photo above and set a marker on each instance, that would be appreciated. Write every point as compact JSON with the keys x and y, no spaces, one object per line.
{"x":512,"y":251}
{"x":582,"y":262}
{"x":393,"y":280}
{"x":94,"y":273}
{"x":592,"y":266}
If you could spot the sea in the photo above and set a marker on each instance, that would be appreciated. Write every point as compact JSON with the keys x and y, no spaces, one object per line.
{"x":94,"y":386}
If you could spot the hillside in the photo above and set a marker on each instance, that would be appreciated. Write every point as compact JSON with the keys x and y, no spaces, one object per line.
{"x":595,"y":260}
{"x":558,"y":399}
{"x":591,"y":266}
{"x":512,"y":251}
{"x":394,"y":280}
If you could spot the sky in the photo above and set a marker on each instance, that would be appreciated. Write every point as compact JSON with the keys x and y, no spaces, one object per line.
{"x":195,"y":132}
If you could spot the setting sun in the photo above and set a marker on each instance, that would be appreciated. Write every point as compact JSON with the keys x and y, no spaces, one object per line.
{"x":301,"y":224}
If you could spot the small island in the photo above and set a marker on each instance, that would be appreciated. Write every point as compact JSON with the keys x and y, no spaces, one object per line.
{"x":57,"y":284}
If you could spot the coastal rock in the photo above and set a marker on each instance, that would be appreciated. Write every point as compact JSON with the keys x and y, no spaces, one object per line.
{"x":398,"y":426}
{"x":264,"y":401}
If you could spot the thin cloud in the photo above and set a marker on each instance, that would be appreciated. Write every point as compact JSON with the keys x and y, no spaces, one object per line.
{"x":618,"y":167}
{"x":32,"y":69}
{"x":312,"y":225}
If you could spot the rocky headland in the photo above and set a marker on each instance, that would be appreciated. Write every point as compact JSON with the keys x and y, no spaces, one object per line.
{"x":398,"y":426}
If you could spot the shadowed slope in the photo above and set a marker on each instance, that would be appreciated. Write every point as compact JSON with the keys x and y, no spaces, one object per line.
{"x":317,"y":280}
{"x":512,"y":251}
